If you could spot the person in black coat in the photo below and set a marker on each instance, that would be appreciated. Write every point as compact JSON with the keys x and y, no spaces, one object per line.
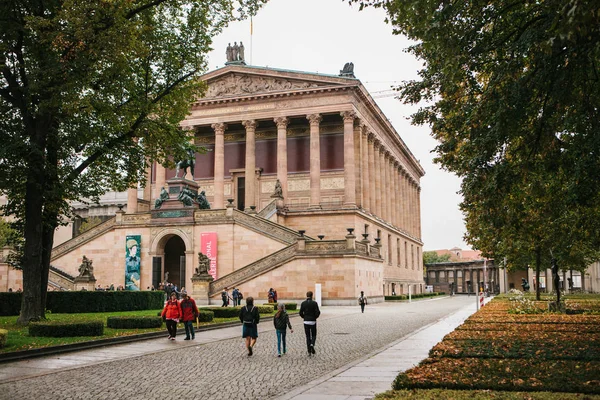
{"x":250,"y":318}
{"x":309,"y":311}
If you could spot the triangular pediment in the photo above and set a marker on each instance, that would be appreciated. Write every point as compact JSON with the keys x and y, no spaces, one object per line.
{"x":240,"y":82}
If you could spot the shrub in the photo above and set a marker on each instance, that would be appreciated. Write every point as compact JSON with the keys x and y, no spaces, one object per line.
{"x":3,"y":337}
{"x":66,"y":329}
{"x":141,"y":322}
{"x":205,"y":316}
{"x":265,"y":309}
{"x":288,"y":306}
{"x":88,"y":301}
{"x":224,"y":312}
{"x":10,"y":303}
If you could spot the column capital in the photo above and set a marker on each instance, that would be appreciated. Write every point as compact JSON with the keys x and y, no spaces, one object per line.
{"x":348,"y":116}
{"x":314,"y":118}
{"x":250,"y":124}
{"x":219,"y":127}
{"x":281,"y":122}
{"x":370,"y":137}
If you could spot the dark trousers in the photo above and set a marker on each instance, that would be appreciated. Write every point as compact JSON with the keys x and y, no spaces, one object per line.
{"x":311,"y":335}
{"x":172,"y":327}
{"x":189,"y":329}
{"x":362,"y":307}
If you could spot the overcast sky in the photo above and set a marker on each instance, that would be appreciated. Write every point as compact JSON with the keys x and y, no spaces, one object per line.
{"x":323,"y":35}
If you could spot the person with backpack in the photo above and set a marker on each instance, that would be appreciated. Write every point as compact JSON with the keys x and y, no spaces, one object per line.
{"x":362,"y":301}
{"x":234,"y":296}
{"x":249,"y":317}
{"x":309,"y":311}
{"x":225,"y":298}
{"x":189,"y":311}
{"x":171,"y":315}
{"x":281,"y":320}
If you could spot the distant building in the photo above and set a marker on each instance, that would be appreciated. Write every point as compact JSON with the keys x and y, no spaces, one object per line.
{"x":458,"y":254}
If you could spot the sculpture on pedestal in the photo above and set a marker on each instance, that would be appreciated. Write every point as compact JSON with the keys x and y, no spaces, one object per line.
{"x":86,"y":269}
{"x":202,"y":201}
{"x":164,"y":196}
{"x":203,"y":265}
{"x":190,"y":163}
{"x":278,"y":192}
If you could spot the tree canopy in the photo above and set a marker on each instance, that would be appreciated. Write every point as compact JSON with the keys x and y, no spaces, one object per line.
{"x":431,"y":257}
{"x":90,"y":91}
{"x":511,"y":90}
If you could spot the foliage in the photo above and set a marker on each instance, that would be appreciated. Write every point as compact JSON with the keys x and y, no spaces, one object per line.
{"x":143,"y":322}
{"x":494,"y":350}
{"x":88,"y":301}
{"x":288,"y":306}
{"x":436,"y":394}
{"x":413,"y":296}
{"x":511,"y":91}
{"x":3,"y":337}
{"x":205,"y":315}
{"x":89,"y":223}
{"x":62,"y":329}
{"x":89,"y":93}
{"x":431,"y":257}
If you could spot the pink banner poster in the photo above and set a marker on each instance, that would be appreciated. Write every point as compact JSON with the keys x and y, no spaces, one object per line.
{"x":208,"y":247}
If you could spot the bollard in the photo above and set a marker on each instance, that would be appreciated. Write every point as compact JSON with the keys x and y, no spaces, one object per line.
{"x":480,"y":299}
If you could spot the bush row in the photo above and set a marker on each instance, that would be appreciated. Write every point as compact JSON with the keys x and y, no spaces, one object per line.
{"x":414,"y":296}
{"x":88,"y":302}
{"x":288,"y":306}
{"x":66,"y":329}
{"x":3,"y":337}
{"x":141,"y":322}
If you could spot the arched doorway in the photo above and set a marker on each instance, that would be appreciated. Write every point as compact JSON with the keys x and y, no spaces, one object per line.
{"x":175,"y":261}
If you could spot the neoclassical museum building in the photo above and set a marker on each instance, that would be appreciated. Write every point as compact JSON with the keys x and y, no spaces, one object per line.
{"x":310,"y":188}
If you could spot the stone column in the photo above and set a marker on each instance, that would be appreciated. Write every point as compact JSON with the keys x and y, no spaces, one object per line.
{"x":282,"y":172}
{"x":371,"y":177}
{"x":366,"y":195}
{"x":395,"y":196}
{"x":418,"y":194}
{"x":381,"y":191}
{"x":377,"y":173}
{"x":250,"y":171}
{"x":219,"y":181}
{"x":404,"y":200}
{"x":389,"y":193}
{"x":315,"y":161}
{"x":349,"y":162}
{"x":160,"y":180}
{"x":148,"y":188}
{"x":132,"y":200}
{"x":190,"y":172}
{"x":413,"y":207}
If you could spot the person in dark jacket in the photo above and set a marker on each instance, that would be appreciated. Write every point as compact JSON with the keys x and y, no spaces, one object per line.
{"x":189,"y":311}
{"x":249,"y":318}
{"x":309,"y":311}
{"x":281,"y":320}
{"x":171,"y":314}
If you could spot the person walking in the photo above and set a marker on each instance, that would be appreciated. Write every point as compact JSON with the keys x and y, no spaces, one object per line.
{"x":249,"y":317}
{"x":225,"y":298}
{"x":189,"y":312}
{"x":309,"y":311}
{"x":171,"y":314}
{"x":234,"y":296}
{"x":281,"y":320}
{"x":362,"y":301}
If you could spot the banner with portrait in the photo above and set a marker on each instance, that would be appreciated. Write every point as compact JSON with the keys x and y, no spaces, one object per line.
{"x":132,"y":262}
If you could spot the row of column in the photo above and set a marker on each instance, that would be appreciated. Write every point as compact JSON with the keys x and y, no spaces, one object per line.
{"x":386,"y":189}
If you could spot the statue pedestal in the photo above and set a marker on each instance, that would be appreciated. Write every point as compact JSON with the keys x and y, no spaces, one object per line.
{"x":85,"y":283}
{"x":176,"y":186}
{"x":200,"y":286}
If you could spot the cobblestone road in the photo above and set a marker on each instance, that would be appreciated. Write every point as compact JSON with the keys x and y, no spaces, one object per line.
{"x":221,"y":370}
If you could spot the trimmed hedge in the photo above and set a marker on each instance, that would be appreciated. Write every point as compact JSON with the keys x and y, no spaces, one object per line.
{"x":10,"y":303}
{"x":88,"y":301}
{"x":288,"y":306}
{"x":414,"y":296}
{"x":205,"y":315}
{"x":66,"y":329}
{"x":265,"y":309}
{"x":142,"y":322}
{"x":3,"y":337}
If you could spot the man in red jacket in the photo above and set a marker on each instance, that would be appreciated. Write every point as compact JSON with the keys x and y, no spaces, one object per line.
{"x":190,"y":313}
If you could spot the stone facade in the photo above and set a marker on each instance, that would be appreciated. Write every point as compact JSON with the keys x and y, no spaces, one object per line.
{"x":341,"y":166}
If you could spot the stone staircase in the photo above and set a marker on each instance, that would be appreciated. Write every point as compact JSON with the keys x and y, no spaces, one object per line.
{"x":85,"y":237}
{"x":61,"y":280}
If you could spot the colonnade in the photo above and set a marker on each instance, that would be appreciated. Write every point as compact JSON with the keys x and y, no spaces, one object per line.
{"x":374,"y":178}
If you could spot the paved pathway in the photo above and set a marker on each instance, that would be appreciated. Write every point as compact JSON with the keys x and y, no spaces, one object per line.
{"x":215,"y":365}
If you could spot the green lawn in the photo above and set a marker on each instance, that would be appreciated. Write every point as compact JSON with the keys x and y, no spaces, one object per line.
{"x":19,"y":339}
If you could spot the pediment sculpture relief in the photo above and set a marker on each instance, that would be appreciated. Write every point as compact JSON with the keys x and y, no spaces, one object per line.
{"x":234,"y":85}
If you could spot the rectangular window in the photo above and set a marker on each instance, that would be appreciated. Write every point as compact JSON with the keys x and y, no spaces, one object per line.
{"x":398,"y":255}
{"x":419,"y":258}
{"x":412,"y":256}
{"x":459,"y":274}
{"x":405,"y":254}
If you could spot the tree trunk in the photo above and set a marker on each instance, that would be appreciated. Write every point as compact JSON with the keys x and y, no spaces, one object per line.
{"x":538,"y":265}
{"x":32,"y":308}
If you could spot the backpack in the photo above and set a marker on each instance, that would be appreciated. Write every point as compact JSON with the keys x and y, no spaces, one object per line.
{"x":248,"y":314}
{"x":362,"y":300}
